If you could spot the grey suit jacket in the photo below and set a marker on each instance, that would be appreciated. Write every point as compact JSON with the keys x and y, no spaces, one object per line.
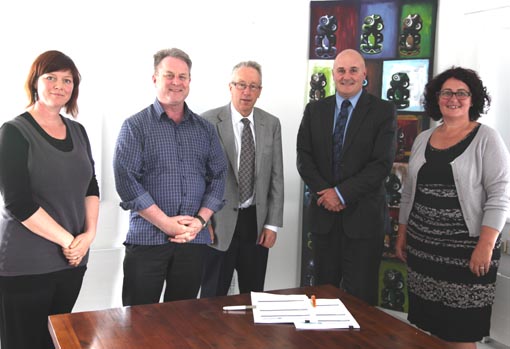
{"x":268,"y":173}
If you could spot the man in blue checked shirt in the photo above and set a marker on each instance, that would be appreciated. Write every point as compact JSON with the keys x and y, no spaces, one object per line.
{"x":170,"y":173}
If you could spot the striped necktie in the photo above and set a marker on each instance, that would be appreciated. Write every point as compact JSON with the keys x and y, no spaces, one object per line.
{"x":338,"y":137}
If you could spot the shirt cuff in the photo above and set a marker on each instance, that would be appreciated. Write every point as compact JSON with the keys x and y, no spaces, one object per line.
{"x":340,"y":196}
{"x":271,"y":227}
{"x":212,"y":203}
{"x":140,"y":203}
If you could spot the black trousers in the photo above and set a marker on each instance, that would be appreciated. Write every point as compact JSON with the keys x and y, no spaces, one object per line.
{"x":146,"y":268}
{"x":243,"y":255}
{"x":26,"y":302}
{"x":352,"y":264}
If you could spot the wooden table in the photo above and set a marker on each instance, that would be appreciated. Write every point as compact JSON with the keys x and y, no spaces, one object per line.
{"x":201,"y":323}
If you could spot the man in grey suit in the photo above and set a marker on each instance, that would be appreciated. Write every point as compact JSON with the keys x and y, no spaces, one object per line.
{"x":246,"y":227}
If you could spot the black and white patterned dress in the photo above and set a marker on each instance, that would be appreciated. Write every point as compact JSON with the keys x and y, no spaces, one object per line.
{"x":445,"y":297}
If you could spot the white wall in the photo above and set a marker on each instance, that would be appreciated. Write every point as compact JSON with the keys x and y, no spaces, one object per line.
{"x":469,"y":34}
{"x":113,"y":50}
{"x":113,"y":47}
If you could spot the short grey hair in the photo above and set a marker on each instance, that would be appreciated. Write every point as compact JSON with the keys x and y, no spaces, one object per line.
{"x":248,"y":64}
{"x":171,"y":52}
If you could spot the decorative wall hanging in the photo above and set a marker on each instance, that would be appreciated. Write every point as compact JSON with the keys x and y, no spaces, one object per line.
{"x":397,"y":40}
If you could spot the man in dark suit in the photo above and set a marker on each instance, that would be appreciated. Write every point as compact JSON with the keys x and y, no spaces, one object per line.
{"x":246,"y":227}
{"x":344,"y":153}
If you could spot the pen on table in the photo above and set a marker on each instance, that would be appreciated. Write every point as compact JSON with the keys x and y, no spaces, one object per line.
{"x":313,"y":315}
{"x":238,"y":307}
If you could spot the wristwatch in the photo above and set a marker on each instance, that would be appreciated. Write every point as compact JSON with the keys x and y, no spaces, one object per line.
{"x":202,"y":220}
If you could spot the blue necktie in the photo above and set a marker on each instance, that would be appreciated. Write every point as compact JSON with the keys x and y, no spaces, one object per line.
{"x":338,"y":137}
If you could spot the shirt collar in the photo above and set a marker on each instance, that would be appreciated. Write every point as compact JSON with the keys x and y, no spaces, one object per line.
{"x":354,"y":99}
{"x":160,"y":112}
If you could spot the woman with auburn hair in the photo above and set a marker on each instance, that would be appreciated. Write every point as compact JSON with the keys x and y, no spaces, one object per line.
{"x":50,"y":205}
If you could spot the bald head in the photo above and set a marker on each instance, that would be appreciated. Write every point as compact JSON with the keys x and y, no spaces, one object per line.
{"x":350,"y":55}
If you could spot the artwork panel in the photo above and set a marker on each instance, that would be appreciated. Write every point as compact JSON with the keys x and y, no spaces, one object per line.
{"x":393,"y":285}
{"x":403,"y":82}
{"x":389,"y":17}
{"x":413,"y":42}
{"x":408,"y":127}
{"x":308,"y":274}
{"x":320,"y":80}
{"x":393,"y":184}
{"x":333,"y":28}
{"x":374,"y":75}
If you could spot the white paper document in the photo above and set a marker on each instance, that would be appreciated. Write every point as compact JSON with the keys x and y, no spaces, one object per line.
{"x":298,"y":309}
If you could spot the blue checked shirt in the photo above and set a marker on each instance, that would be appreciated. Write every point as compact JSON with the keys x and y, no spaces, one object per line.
{"x":179,"y":167}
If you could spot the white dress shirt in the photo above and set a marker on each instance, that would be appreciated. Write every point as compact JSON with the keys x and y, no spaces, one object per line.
{"x":238,"y":126}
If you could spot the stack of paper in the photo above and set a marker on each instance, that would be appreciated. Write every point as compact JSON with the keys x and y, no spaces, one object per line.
{"x":298,"y":309}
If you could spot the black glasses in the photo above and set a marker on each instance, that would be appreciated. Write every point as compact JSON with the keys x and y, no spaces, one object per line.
{"x":242,"y":86}
{"x":460,"y":94}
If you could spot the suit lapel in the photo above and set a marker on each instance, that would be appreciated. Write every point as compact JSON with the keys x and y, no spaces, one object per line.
{"x":358,"y":116}
{"x":327,"y":125}
{"x":226,"y":134}
{"x":260,"y":138}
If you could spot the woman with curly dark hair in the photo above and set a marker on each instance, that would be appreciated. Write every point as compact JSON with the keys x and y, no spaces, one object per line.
{"x":454,"y":205}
